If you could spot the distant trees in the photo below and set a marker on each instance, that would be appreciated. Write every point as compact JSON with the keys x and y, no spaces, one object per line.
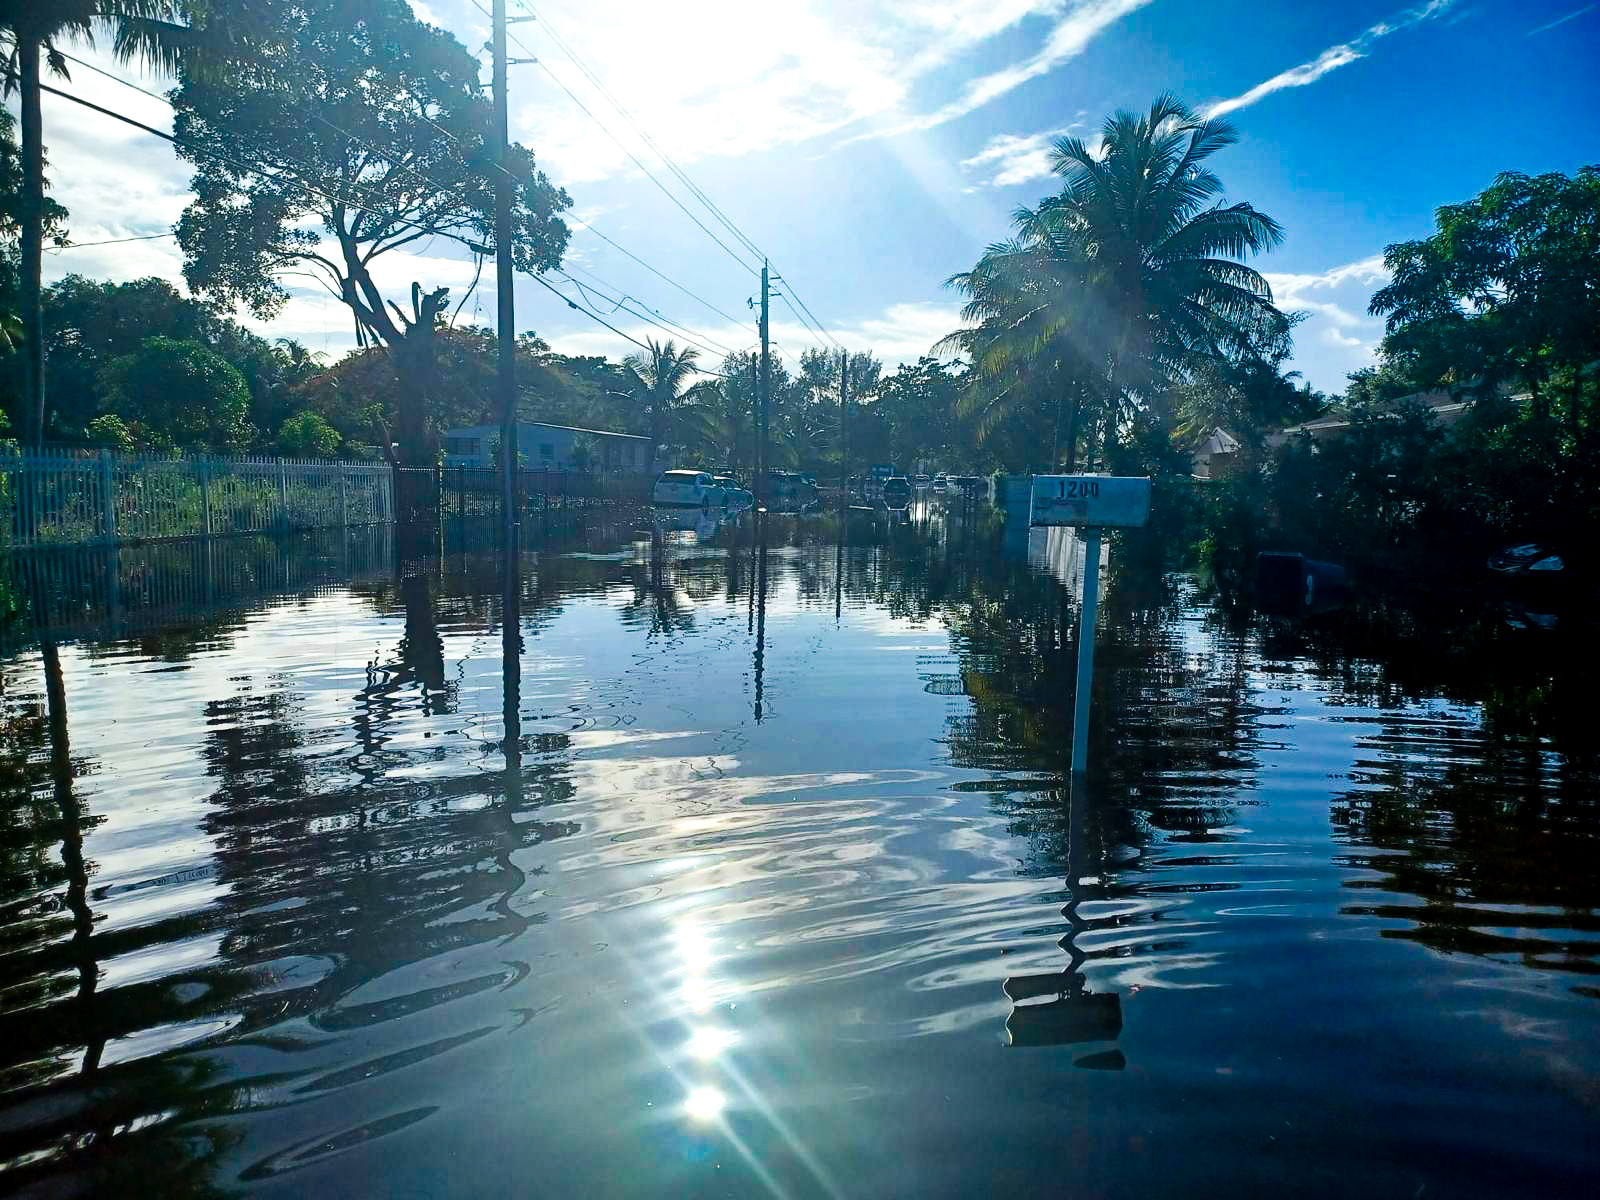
{"x":344,"y":132}
{"x":90,"y":324}
{"x":181,"y":395}
{"x":1119,"y":285}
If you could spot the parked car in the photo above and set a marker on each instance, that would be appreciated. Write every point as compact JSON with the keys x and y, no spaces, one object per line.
{"x":687,"y":489}
{"x":737,"y":496}
{"x":940,"y":482}
{"x":897,"y":492}
{"x":920,"y":481}
{"x":788,"y":491}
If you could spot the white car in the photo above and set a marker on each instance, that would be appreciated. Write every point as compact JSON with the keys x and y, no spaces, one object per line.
{"x":687,"y":489}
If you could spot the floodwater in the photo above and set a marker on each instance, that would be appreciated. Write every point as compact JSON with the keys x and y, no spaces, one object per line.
{"x":779,"y":887}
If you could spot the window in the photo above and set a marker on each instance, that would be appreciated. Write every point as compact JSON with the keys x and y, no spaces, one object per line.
{"x":461,"y":445}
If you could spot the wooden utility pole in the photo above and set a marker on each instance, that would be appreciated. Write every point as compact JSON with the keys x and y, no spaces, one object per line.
{"x":766,"y":397}
{"x":506,"y":336}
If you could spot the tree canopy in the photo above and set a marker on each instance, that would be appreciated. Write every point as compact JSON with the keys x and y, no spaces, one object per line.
{"x":1120,"y":283}
{"x":348,"y":130}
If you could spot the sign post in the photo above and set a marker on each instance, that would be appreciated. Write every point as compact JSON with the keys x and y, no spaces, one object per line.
{"x":1090,"y":503}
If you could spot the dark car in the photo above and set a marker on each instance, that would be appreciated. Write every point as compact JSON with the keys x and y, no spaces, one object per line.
{"x":897,"y":492}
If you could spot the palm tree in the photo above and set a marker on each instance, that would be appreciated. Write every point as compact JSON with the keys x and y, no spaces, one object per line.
{"x":1116,"y":285}
{"x":143,"y":31}
{"x":660,"y":376}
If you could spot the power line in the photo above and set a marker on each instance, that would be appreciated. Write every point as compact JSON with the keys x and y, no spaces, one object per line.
{"x":665,"y":191}
{"x":666,"y":158}
{"x":620,"y":300}
{"x":143,"y":237}
{"x":658,"y":274}
{"x":596,"y":317}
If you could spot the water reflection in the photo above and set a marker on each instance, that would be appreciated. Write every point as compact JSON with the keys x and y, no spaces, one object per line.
{"x":731,"y":865}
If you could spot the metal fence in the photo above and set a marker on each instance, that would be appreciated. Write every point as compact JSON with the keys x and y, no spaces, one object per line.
{"x":74,"y":496}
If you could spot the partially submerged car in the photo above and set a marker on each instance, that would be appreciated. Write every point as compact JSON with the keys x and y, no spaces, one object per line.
{"x":687,"y":489}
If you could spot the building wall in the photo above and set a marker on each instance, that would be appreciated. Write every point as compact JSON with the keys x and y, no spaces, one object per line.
{"x":545,"y":447}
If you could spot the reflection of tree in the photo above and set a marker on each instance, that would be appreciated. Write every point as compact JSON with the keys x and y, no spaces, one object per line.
{"x":114,"y":1128}
{"x":1496,"y":841}
{"x":1487,"y":817}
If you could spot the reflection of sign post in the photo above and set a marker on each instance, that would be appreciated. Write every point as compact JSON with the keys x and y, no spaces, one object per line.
{"x":1093,"y":503}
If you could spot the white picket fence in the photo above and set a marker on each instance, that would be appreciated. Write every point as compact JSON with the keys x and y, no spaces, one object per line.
{"x":74,"y":496}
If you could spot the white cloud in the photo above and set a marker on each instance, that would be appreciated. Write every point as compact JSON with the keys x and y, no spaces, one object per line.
{"x":1333,"y":337}
{"x":1329,"y":60}
{"x":738,"y":78}
{"x":1571,"y":16}
{"x":1013,"y":158}
{"x":1288,"y":290}
{"x":1068,"y":39}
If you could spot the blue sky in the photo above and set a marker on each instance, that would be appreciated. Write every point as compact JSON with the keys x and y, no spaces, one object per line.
{"x":872,"y":148}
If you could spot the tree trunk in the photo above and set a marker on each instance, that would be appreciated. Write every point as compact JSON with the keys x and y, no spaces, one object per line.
{"x":28,"y":48}
{"x":1072,"y":436}
{"x":415,"y":368}
{"x":657,"y":426}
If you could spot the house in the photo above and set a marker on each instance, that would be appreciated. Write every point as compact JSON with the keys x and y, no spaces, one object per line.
{"x":1215,"y":456}
{"x":552,"y":447}
{"x":1446,"y":408}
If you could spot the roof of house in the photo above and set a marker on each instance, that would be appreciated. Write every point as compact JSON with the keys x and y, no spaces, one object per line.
{"x":479,"y":430}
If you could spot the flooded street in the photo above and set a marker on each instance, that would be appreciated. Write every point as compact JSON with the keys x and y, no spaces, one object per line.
{"x":783,"y":891}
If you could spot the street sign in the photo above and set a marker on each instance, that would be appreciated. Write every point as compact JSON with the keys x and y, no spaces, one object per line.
{"x":1094,"y":501}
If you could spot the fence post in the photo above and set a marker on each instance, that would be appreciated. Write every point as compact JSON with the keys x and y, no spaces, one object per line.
{"x":204,"y":465}
{"x":344,"y":502}
{"x":283,"y":494}
{"x":108,"y":504}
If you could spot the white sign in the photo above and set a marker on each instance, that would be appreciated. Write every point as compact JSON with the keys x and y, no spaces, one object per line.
{"x":1091,"y":500}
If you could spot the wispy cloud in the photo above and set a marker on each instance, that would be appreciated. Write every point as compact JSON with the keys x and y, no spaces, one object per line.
{"x":1571,"y":16}
{"x":1330,"y":59}
{"x":1012,"y":158}
{"x":1328,"y":298}
{"x":1068,"y":39}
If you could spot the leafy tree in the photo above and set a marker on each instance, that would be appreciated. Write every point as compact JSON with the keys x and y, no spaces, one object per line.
{"x":145,"y":31}
{"x":1373,"y":387}
{"x":108,"y":429}
{"x":308,"y":435}
{"x":1247,"y":397}
{"x":1122,"y":281}
{"x":919,"y":409}
{"x":350,"y":130}
{"x":89,"y":322}
{"x":181,"y":394}
{"x":1507,"y":290}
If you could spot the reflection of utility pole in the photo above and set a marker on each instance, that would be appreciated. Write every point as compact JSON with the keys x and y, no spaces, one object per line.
{"x":761,"y":609}
{"x":844,"y":480}
{"x":72,"y":854}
